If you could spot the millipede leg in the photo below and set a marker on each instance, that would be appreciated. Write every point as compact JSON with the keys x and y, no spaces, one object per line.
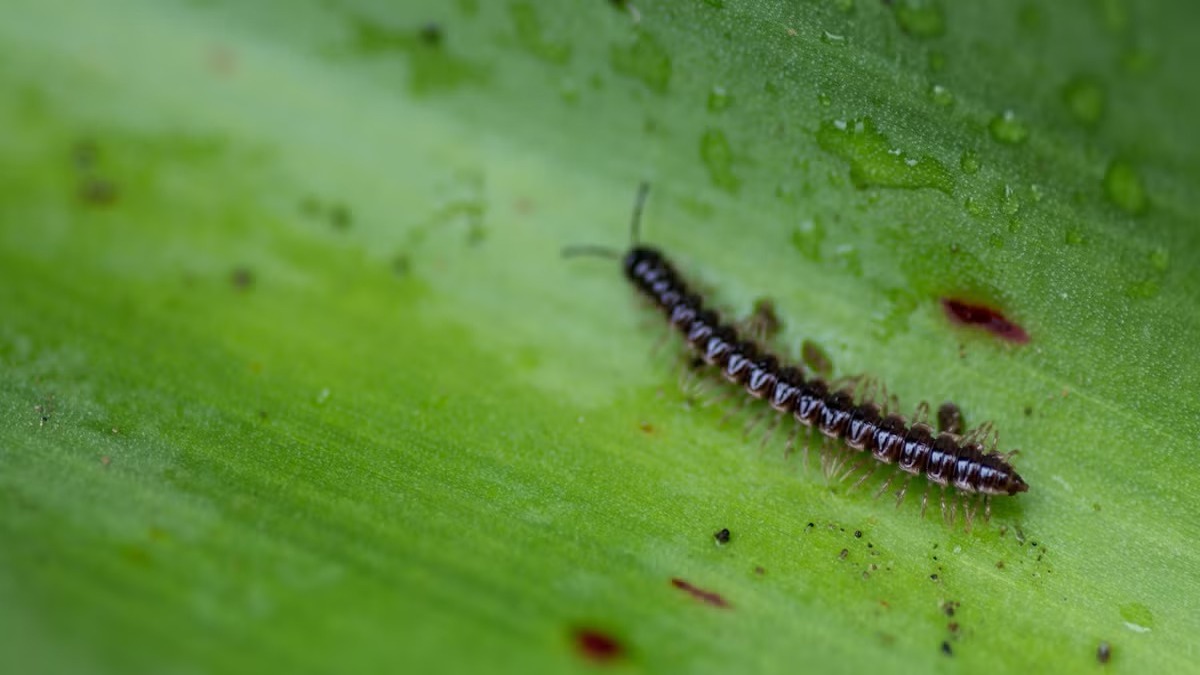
{"x":902,"y":491}
{"x":883,"y":488}
{"x":791,"y":444}
{"x":770,"y":432}
{"x":864,"y":478}
{"x":853,"y":468}
{"x":987,"y":508}
{"x":719,"y":398}
{"x":922,"y":414}
{"x":924,"y":501}
{"x":968,"y":514}
{"x":753,"y":423}
{"x":942,"y":498}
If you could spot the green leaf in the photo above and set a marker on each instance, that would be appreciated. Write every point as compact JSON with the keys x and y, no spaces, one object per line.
{"x":295,"y":377}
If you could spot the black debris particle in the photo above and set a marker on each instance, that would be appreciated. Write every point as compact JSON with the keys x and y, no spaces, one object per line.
{"x":933,"y":577}
{"x":999,"y":564}
{"x":949,"y":607}
{"x":809,"y":526}
{"x":845,"y":552}
{"x":952,"y":626}
{"x":759,"y":570}
{"x":722,"y":535}
{"x":1103,"y":652}
{"x":946,"y":648}
{"x":858,"y":534}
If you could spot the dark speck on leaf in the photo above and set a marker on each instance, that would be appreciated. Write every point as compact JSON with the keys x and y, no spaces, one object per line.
{"x":722,"y":535}
{"x":845,"y":552}
{"x":1103,"y":652}
{"x":858,"y":534}
{"x":431,"y":34}
{"x":242,"y":278}
{"x":946,"y":649}
{"x":597,"y":645}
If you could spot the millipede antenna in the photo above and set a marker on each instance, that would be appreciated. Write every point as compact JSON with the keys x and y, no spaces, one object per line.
{"x":635,"y":222}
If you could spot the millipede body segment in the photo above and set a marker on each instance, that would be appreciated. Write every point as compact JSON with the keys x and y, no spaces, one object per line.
{"x":948,"y":459}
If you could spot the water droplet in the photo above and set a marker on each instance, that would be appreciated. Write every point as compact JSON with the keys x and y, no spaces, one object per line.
{"x":1010,"y":203}
{"x":645,"y":59}
{"x":833,"y":38}
{"x":1084,"y":98}
{"x":1036,"y":192}
{"x":1160,"y":259}
{"x":874,"y":161}
{"x":1074,"y":236}
{"x":969,"y":162}
{"x":323,"y":396}
{"x":717,"y":155}
{"x":823,"y":99}
{"x":1006,"y":128}
{"x":530,"y":36}
{"x":719,"y":99}
{"x":1124,"y":187}
{"x":941,"y":95}
{"x":807,"y":238}
{"x":1137,"y":616}
{"x":920,"y":18}
{"x":974,"y":206}
{"x":937,"y":61}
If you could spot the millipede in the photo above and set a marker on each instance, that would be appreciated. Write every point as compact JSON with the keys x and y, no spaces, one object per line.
{"x":841,"y":412}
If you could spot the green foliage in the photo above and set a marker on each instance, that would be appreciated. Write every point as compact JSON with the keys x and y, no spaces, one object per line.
{"x":294,"y":377}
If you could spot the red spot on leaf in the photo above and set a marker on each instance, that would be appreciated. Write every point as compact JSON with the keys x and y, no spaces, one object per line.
{"x":981,"y":316}
{"x":597,"y":645}
{"x":709,"y":597}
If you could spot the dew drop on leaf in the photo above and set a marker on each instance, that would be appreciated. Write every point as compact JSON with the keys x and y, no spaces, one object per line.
{"x":876,"y":162}
{"x":941,"y":95}
{"x":920,"y":18}
{"x":719,"y":99}
{"x":1124,"y":187}
{"x":717,"y":156}
{"x":645,"y":59}
{"x":1084,"y":97}
{"x":1006,"y":128}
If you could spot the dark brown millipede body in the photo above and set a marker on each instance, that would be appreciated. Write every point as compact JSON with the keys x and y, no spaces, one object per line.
{"x":947,"y":458}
